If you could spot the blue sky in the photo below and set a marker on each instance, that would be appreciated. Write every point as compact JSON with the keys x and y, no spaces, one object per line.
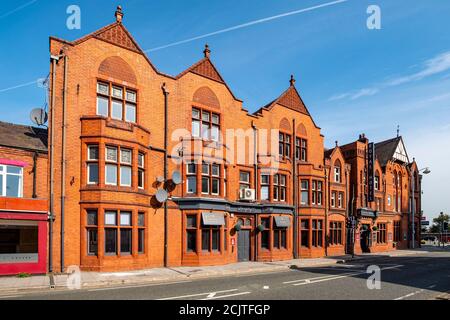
{"x":352,"y":79}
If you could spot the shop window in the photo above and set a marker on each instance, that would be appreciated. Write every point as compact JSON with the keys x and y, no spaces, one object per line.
{"x":265,"y":234}
{"x":117,"y":102}
{"x":210,"y":238}
{"x":17,"y":241}
{"x":11,"y":181}
{"x":304,"y":192}
{"x":317,"y":233}
{"x":304,"y":233}
{"x":301,"y":149}
{"x":381,"y":233}
{"x":191,"y":233}
{"x":336,"y":233}
{"x":141,"y":232}
{"x":279,"y":237}
{"x":92,"y":232}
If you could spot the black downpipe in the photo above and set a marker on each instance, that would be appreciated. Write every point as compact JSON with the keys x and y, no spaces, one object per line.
{"x":255,"y":160}
{"x":166,"y":212}
{"x":295,"y":194}
{"x":63,"y":163}
{"x":35,"y":156}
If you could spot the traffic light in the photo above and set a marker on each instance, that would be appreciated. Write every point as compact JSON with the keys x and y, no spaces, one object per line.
{"x":445,"y":225}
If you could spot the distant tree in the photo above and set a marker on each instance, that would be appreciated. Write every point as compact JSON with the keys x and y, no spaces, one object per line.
{"x":437,"y":223}
{"x":435,"y":228}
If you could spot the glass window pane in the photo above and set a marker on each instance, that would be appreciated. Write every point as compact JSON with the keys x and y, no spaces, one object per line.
{"x":205,"y":116}
{"x":14,"y":170}
{"x":130,"y":113}
{"x":102,"y":106}
{"x":205,"y":169}
{"x":215,"y":170}
{"x":125,"y":241}
{"x":191,"y":184}
{"x":205,"y":185}
{"x":92,"y":217}
{"x":116,"y":110}
{"x":264,"y":179}
{"x":191,"y":168}
{"x":265,"y":193}
{"x":125,"y":218}
{"x":125,"y":156}
{"x":195,"y":113}
{"x":92,"y":238}
{"x":110,"y":218}
{"x":103,"y":88}
{"x":1,"y":185}
{"x":141,"y":240}
{"x":244,"y":177}
{"x":110,"y":241}
{"x":205,"y":240}
{"x":141,"y":160}
{"x":215,"y":133}
{"x":111,"y":174}
{"x":215,"y":240}
{"x":215,"y":186}
{"x":131,"y":96}
{"x":141,"y":178}
{"x":92,"y":173}
{"x":195,"y":128}
{"x":191,"y":241}
{"x":191,"y":221}
{"x":13,"y":186}
{"x":117,"y":92}
{"x":215,"y":119}
{"x":93,"y":153}
{"x":141,"y":219}
{"x":205,"y":130}
{"x":111,"y":154}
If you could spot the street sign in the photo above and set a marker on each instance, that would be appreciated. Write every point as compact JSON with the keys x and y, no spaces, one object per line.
{"x":425,"y":223}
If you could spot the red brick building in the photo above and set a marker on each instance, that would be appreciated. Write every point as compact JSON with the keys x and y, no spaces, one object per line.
{"x":23,"y":199}
{"x":253,"y":186}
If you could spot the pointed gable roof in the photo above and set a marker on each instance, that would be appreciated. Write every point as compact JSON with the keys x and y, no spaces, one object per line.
{"x":392,"y":149}
{"x":290,"y":99}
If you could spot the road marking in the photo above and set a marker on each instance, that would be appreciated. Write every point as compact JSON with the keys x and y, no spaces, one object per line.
{"x":8,"y":297}
{"x":228,"y":295}
{"x":137,"y":286}
{"x":198,"y":294}
{"x":330,"y":277}
{"x":410,"y":294}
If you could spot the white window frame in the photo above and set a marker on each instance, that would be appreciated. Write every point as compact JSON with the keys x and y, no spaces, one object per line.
{"x":5,"y":176}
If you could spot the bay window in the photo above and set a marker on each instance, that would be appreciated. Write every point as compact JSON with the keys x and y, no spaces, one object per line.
{"x":141,"y":171}
{"x":125,"y":167}
{"x":92,"y":232}
{"x":304,"y":192}
{"x":92,"y":164}
{"x":111,"y":166}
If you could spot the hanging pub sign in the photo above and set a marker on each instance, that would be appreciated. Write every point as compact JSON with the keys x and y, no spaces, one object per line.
{"x":371,"y":172}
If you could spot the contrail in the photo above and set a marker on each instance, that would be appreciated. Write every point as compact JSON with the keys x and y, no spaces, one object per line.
{"x":248,"y":24}
{"x":23,"y":6}
{"x":20,"y":86}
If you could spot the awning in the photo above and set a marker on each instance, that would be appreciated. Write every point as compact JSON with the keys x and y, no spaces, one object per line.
{"x":213,"y":219}
{"x":282,"y":222}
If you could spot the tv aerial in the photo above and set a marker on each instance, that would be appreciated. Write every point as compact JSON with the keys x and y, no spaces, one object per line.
{"x":39,"y":116}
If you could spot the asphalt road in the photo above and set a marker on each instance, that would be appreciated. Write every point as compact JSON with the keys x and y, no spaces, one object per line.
{"x":421,"y":276}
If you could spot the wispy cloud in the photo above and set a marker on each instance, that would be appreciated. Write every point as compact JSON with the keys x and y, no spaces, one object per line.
{"x":247,"y":24}
{"x":430,"y":67}
{"x":23,"y":6}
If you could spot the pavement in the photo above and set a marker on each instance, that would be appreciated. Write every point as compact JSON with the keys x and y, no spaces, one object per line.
{"x":13,"y":285}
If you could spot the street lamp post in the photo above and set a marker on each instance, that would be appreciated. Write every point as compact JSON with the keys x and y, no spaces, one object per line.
{"x":413,"y":202}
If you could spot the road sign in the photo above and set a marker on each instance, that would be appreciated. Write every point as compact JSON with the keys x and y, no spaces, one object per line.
{"x":425,"y":223}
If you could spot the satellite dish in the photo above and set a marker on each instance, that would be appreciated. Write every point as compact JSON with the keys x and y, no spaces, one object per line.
{"x":38,"y":116}
{"x":176,"y":177}
{"x":160,"y":179}
{"x":162,"y":195}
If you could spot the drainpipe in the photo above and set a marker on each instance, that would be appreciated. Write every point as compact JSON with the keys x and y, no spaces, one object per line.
{"x":353,"y":215}
{"x":255,"y":165}
{"x":54,"y":60}
{"x":295,"y":193}
{"x":327,"y":183}
{"x":166,"y":212}
{"x":63,"y":162}
{"x":35,"y":156}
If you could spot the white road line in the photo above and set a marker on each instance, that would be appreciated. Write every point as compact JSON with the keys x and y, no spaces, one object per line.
{"x":330,"y":277}
{"x":137,"y":286}
{"x":410,"y":294}
{"x":228,"y":295}
{"x":198,"y":294}
{"x":8,"y":297}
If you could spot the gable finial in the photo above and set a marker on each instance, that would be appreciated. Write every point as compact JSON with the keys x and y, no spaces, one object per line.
{"x":398,"y":131}
{"x":119,"y":14}
{"x":207,"y":51}
{"x":292,"y":81}
{"x":337,"y":143}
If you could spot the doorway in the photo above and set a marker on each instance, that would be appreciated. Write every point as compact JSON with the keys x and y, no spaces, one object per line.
{"x":244,"y":245}
{"x":365,"y":239}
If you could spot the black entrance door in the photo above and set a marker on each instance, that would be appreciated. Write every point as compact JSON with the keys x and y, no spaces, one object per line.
{"x":244,"y":245}
{"x":365,"y":241}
